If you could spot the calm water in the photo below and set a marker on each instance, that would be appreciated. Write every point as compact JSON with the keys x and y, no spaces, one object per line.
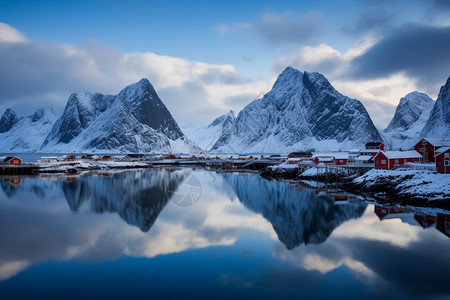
{"x":196,"y":234}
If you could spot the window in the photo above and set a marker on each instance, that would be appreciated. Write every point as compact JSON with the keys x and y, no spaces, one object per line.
{"x":446,"y":162}
{"x":396,"y":161}
{"x":383,"y":161}
{"x":447,"y":155}
{"x":424,"y":142}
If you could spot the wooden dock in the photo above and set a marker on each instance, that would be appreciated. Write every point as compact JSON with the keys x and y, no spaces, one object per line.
{"x":18,"y":170}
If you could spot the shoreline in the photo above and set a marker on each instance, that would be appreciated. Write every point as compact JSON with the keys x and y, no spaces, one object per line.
{"x":383,"y":186}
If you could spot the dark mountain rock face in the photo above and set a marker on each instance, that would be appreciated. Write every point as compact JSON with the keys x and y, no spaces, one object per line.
{"x":8,"y":120}
{"x":438,"y":124}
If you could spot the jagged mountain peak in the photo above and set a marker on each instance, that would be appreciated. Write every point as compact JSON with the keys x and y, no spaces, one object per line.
{"x":438,"y":125}
{"x":135,"y":120}
{"x":207,"y":136}
{"x":229,"y":117}
{"x":411,"y":108}
{"x":138,"y":88}
{"x":301,"y":111}
{"x":8,"y":120}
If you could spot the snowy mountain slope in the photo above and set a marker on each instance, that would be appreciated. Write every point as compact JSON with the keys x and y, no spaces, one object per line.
{"x":207,"y":136}
{"x":26,"y":134}
{"x":302,"y":111}
{"x":410,"y":117}
{"x":135,"y":120}
{"x":438,"y":124}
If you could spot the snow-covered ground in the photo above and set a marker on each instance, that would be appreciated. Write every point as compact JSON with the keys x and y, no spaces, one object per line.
{"x":63,"y":166}
{"x":421,"y":183}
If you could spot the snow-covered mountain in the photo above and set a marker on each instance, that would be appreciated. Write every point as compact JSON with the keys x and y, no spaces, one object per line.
{"x":438,"y":124}
{"x":207,"y":136}
{"x":135,"y":120}
{"x":25,"y":134}
{"x":302,"y":111}
{"x":410,"y":117}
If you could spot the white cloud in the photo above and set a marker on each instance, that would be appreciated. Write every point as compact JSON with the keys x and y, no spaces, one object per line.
{"x":32,"y":73}
{"x":10,"y":34}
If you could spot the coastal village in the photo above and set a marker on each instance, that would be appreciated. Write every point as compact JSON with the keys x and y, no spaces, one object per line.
{"x":428,"y":154}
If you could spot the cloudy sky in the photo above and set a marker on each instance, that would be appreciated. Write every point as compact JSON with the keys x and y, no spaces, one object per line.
{"x":206,"y":57}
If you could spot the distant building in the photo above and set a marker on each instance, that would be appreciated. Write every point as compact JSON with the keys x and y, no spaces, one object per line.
{"x":48,"y":159}
{"x":300,"y":155}
{"x":70,"y":157}
{"x":391,"y":159}
{"x":372,"y":148}
{"x":337,"y":158}
{"x":107,"y":158}
{"x":295,"y":157}
{"x":323,"y":159}
{"x":375,"y":146}
{"x":428,"y":146}
{"x":442,"y":159}
{"x":134,"y":156}
{"x":170,"y":156}
{"x":12,"y":161}
{"x":87,"y":156}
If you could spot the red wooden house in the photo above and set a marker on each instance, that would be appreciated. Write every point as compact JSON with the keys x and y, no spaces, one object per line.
{"x":391,"y":159}
{"x":372,"y":148}
{"x":300,"y":155}
{"x":171,"y":156}
{"x":443,"y":160}
{"x":428,"y":146}
{"x":443,"y":223}
{"x":323,"y":159}
{"x":295,"y":157}
{"x":12,"y":160}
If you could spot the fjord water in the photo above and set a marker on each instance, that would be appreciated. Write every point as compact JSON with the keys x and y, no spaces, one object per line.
{"x":182,"y":233}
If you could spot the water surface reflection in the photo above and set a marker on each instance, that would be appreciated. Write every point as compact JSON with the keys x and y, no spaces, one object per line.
{"x":245,"y":237}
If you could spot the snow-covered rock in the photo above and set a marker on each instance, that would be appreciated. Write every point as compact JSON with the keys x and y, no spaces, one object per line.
{"x":302,"y":111}
{"x":25,"y":134}
{"x":207,"y":136}
{"x":438,"y":124}
{"x":419,"y":184}
{"x":135,"y":120}
{"x":410,"y":117}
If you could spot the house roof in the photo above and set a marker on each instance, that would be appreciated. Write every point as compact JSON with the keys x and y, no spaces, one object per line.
{"x":8,"y":158}
{"x":371,"y":144}
{"x":438,"y":142}
{"x":325,"y":158}
{"x":301,"y":153}
{"x":369,"y":151}
{"x":336,"y":155}
{"x":441,"y":150}
{"x":364,"y":158}
{"x":401,"y":154}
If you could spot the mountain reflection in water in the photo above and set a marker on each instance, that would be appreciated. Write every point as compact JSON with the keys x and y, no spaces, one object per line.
{"x":296,"y":216}
{"x":245,"y":237}
{"x":137,"y":197}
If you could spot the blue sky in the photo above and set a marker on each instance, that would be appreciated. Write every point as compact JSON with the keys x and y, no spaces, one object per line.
{"x":206,"y":57}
